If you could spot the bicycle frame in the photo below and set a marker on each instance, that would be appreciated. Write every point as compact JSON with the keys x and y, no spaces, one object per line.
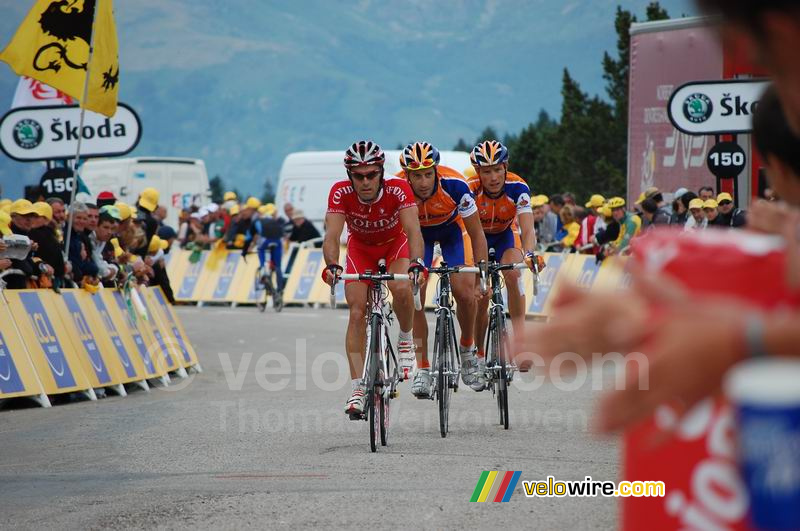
{"x":380,"y":315}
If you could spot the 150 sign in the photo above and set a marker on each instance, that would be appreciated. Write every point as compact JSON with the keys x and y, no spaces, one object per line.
{"x":52,"y":132}
{"x":726,"y":159}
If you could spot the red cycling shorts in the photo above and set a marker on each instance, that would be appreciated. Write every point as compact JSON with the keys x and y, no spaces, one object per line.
{"x":363,"y":257}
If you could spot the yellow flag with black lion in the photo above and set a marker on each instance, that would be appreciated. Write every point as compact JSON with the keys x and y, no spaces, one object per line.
{"x":52,"y":45}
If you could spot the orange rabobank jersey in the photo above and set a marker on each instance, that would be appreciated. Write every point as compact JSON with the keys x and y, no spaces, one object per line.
{"x":451,"y":198}
{"x":498,"y":214}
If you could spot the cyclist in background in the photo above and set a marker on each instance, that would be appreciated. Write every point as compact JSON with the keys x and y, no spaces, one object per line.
{"x":504,"y":207}
{"x":448,"y":216}
{"x":382,"y":223}
{"x":270,"y":229}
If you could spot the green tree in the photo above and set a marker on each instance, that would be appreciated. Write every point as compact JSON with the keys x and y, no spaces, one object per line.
{"x":217,"y":187}
{"x":487,"y":134}
{"x":616,"y":72}
{"x":461,"y":146}
{"x":268,"y":193}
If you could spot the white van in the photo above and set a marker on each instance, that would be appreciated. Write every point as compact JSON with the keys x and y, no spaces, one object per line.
{"x":306,"y":178}
{"x":180,"y":182}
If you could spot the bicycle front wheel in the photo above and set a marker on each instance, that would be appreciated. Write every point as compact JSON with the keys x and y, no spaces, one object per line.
{"x":497,"y":345}
{"x":443,"y":357}
{"x":373,"y":386}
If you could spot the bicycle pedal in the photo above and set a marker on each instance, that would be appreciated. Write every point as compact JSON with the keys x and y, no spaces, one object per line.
{"x":394,"y":394}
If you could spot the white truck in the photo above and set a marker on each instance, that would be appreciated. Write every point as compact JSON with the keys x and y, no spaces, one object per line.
{"x":181,"y":182}
{"x":306,"y":178}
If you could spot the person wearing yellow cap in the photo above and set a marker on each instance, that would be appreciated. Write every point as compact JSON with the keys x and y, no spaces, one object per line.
{"x":710,"y":209}
{"x":48,"y":250}
{"x":5,"y":204}
{"x":147,"y":205}
{"x":44,"y":214}
{"x":697,"y":217}
{"x":236,"y":238}
{"x":729,"y":215}
{"x":594,"y":222}
{"x":538,"y":206}
{"x":22,"y":215}
{"x":629,"y":225}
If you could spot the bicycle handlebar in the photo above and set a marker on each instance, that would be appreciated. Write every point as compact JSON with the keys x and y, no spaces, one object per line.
{"x":380,"y":277}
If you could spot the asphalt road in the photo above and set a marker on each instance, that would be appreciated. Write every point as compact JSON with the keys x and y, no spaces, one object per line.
{"x":260,"y":440}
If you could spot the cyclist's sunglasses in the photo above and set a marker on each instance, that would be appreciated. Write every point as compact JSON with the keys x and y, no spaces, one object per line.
{"x":724,"y":203}
{"x":414,"y":165}
{"x":366,"y":176}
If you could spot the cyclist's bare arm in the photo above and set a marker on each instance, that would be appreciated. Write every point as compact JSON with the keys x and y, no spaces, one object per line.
{"x":474,"y":228}
{"x":409,"y":219}
{"x":528,"y":233}
{"x":334,"y":225}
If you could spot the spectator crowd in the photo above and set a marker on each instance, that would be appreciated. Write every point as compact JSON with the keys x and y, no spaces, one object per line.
{"x":110,"y":242}
{"x":606,"y":227}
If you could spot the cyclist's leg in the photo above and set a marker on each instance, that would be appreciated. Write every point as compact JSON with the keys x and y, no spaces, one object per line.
{"x":420,"y":319}
{"x":499,"y":242}
{"x":397,"y":260}
{"x":515,"y":287}
{"x":457,"y":250}
{"x":356,"y":340}
{"x":277,"y":259}
{"x":262,"y":253}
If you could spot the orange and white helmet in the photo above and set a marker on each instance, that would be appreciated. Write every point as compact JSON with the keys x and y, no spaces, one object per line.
{"x":488,"y":153}
{"x":419,"y":156}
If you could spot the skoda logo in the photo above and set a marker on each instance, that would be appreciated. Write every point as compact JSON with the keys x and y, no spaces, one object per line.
{"x":28,"y":133}
{"x":697,"y":108}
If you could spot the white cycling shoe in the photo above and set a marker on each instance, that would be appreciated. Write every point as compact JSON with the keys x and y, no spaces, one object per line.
{"x":473,"y":369}
{"x":357,"y":402}
{"x":423,"y":384}
{"x":405,"y":358}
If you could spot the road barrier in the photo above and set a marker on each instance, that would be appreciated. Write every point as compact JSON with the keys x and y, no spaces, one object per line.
{"x":77,"y":342}
{"x":223,"y":276}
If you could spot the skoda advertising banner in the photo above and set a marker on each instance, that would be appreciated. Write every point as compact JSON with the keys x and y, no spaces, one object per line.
{"x":52,"y":132}
{"x":716,"y":107}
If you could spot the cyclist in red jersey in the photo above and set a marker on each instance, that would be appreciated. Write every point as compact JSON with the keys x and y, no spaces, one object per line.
{"x":382,"y":223}
{"x":503,"y":199}
{"x":447,"y":216}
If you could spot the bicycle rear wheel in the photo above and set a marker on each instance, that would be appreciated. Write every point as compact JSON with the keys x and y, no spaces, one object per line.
{"x":384,"y":416}
{"x":277,"y":295}
{"x":443,"y":358}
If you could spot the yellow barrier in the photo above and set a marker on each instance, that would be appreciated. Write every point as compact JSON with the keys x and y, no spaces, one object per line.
{"x":56,"y":361}
{"x":145,"y":345}
{"x":167,"y":323}
{"x":187,"y":286}
{"x":18,"y":376}
{"x":107,"y":369}
{"x":74,"y":341}
{"x":233,"y":280}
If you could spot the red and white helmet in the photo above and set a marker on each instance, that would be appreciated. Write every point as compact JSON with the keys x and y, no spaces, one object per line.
{"x":363,"y":153}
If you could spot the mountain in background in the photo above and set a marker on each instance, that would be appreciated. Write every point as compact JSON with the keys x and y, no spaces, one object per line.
{"x":242,"y":83}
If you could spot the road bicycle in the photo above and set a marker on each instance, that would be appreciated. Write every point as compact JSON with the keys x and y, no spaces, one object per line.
{"x":446,"y":362}
{"x":267,"y":282}
{"x":499,"y":369}
{"x":381,"y":374}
